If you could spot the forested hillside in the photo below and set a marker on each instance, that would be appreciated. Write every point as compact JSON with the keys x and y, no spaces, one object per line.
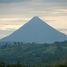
{"x":33,"y":53}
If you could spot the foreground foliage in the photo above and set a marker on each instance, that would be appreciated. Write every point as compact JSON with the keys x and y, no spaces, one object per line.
{"x":36,"y":65}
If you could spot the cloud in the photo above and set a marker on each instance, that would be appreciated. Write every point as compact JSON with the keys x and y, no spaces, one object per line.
{"x":11,"y":1}
{"x":4,"y":33}
{"x":54,"y":0}
{"x":55,"y":3}
{"x":33,"y":7}
{"x":63,"y":30}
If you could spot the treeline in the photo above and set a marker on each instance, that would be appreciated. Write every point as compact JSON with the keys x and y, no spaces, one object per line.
{"x":18,"y":44}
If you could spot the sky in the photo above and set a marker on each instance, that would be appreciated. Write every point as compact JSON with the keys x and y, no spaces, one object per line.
{"x":15,"y":13}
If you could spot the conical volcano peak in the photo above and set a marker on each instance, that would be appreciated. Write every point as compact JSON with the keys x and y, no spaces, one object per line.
{"x":35,"y":17}
{"x":36,"y":20}
{"x":36,"y":30}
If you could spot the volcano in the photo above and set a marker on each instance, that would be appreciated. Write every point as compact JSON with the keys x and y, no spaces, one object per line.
{"x":36,"y":30}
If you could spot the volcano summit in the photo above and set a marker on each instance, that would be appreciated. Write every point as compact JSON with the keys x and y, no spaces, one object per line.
{"x":36,"y":31}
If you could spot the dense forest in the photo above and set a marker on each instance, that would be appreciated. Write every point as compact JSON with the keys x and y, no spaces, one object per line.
{"x":19,"y":54}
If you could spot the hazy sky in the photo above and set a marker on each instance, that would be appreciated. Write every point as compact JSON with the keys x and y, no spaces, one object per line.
{"x":14,"y":13}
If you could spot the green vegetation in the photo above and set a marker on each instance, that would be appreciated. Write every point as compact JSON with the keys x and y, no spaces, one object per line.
{"x":37,"y":65}
{"x":19,"y":54}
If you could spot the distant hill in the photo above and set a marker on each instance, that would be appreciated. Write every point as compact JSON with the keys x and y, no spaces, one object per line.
{"x":37,"y":31}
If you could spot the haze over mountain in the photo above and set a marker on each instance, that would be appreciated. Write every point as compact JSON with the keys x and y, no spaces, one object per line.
{"x":37,"y":31}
